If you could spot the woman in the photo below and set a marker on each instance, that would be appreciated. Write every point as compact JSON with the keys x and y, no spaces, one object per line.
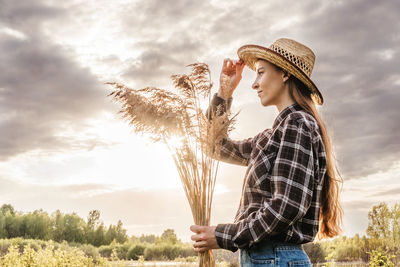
{"x":291,"y":189}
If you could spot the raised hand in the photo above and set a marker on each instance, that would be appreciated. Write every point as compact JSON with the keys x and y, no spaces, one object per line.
{"x":230,"y":76}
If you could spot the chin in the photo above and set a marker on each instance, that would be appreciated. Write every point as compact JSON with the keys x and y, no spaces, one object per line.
{"x":265,"y":103}
{"x":268,"y":101}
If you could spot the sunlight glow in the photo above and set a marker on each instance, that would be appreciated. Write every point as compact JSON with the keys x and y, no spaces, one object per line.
{"x":103,"y":46}
{"x":121,"y":159}
{"x":14,"y":33}
{"x":175,"y":141}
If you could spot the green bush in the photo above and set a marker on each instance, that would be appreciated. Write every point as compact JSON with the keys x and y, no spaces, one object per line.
{"x":135,"y":251}
{"x":161,"y":251}
{"x":31,"y":252}
{"x":20,"y":243}
{"x":153,"y":253}
{"x":105,"y":251}
{"x":48,"y":257}
{"x":380,"y":258}
{"x":4,"y":245}
{"x":315,"y":252}
{"x":90,"y":251}
{"x":122,"y":250}
{"x":187,"y":251}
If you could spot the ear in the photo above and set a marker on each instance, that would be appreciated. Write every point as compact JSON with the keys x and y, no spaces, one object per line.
{"x":285,"y":75}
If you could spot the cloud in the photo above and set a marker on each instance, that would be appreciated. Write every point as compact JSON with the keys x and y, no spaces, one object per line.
{"x":44,"y":92}
{"x":165,"y":39}
{"x":394,"y":193}
{"x":27,"y":16}
{"x":159,"y":59}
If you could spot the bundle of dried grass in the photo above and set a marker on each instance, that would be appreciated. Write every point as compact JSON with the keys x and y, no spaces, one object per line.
{"x":162,"y":115}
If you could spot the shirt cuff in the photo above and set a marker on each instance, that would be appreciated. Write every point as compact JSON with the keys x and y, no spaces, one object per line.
{"x":224,"y":234}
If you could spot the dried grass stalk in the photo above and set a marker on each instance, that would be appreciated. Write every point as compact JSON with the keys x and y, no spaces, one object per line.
{"x":162,"y":114}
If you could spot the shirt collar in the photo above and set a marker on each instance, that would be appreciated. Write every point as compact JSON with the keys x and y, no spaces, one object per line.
{"x":286,"y":111}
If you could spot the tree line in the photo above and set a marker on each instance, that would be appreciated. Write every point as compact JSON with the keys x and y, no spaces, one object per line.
{"x":59,"y":227}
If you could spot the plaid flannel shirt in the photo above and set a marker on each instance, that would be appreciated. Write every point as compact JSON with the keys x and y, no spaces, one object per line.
{"x":286,"y":166}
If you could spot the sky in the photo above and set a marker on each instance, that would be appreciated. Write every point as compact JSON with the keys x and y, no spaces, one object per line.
{"x":64,"y":146}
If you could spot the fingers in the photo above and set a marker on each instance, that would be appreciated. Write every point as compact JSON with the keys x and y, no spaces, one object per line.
{"x":196,"y":228}
{"x":196,"y":238}
{"x":231,"y":67}
{"x":202,"y":249}
{"x":239,"y":66}
{"x":229,"y":63}
{"x":200,"y":246}
{"x":200,"y":232}
{"x":225,"y":63}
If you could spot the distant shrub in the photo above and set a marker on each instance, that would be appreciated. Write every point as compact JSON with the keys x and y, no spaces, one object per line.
{"x":135,"y":251}
{"x":315,"y":252}
{"x":187,"y":251}
{"x":162,"y":251}
{"x":380,"y":258}
{"x":105,"y":251}
{"x":90,"y":251}
{"x":4,"y":245}
{"x":48,"y":257}
{"x":122,"y":250}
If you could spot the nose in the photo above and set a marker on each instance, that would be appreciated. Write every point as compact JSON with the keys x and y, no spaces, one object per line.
{"x":255,"y":85}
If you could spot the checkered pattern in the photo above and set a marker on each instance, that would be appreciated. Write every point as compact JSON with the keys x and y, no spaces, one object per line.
{"x":286,"y":166}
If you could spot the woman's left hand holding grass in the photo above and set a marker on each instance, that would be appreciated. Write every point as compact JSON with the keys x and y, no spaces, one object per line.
{"x":204,"y":238}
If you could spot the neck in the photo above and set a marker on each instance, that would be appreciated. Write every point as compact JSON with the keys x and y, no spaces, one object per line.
{"x":284,"y":104}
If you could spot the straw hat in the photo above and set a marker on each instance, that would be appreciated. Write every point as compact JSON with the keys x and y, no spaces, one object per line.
{"x":288,"y":54}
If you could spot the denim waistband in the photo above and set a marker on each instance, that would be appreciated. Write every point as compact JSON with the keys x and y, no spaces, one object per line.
{"x":272,"y":245}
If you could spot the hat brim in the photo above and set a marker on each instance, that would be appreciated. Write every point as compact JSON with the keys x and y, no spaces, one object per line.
{"x":251,"y":53}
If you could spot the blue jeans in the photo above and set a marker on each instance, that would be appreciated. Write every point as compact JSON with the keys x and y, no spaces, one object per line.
{"x":274,"y":254}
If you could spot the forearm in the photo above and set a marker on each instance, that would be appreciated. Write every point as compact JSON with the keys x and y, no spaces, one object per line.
{"x":266,"y":222}
{"x":225,"y":90}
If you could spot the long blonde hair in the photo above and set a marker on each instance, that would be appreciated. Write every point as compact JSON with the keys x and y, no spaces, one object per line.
{"x":331,"y":212}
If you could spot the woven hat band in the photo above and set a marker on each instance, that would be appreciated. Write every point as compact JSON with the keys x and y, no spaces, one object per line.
{"x":300,"y":62}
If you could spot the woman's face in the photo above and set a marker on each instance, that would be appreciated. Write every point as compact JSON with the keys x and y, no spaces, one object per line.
{"x":269,"y":83}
